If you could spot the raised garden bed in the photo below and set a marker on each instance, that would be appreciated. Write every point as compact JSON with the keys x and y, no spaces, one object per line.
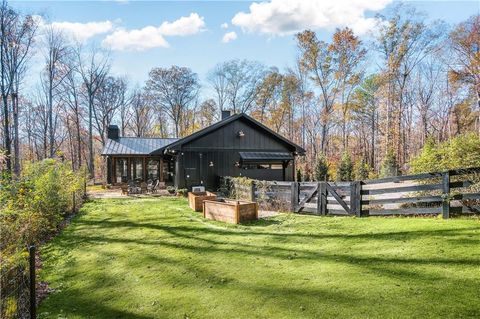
{"x":230,"y":211}
{"x":195,"y":200}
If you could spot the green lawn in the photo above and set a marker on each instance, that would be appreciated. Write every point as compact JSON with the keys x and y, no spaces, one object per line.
{"x":155,"y":258}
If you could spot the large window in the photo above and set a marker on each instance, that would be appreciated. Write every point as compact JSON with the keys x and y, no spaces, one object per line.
{"x":136,"y":166}
{"x":121,"y":170}
{"x":262,"y":166}
{"x":153,"y":171}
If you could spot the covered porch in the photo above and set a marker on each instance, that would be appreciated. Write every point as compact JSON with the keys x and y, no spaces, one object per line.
{"x":129,"y":168}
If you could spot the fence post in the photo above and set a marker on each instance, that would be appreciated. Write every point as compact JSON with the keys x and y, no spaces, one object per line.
{"x":446,"y":195}
{"x":322,"y":199}
{"x":33,"y":301}
{"x":356,"y":198}
{"x":294,"y":196}
{"x":252,"y":192}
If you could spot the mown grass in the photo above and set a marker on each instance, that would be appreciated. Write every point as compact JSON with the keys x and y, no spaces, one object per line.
{"x":155,"y":258}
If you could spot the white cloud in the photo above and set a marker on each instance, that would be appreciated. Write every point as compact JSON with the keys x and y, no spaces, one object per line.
{"x":229,"y":36}
{"x":183,"y":26}
{"x":152,"y":36}
{"x":83,"y":31}
{"x":135,"y":40}
{"x":224,"y":25}
{"x":77,"y":30}
{"x":283,"y":17}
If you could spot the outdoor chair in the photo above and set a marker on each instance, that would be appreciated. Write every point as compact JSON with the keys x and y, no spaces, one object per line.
{"x":155,"y":186}
{"x":133,"y":188}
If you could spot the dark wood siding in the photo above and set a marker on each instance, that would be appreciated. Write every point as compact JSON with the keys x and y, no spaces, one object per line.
{"x":226,"y":138}
{"x":221,"y":148}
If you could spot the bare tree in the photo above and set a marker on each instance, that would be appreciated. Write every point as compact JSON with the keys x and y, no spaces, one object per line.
{"x":141,"y":119}
{"x":175,"y":89}
{"x":317,"y":60}
{"x":16,"y":38}
{"x":404,"y":40}
{"x":56,"y":69}
{"x":110,"y":96}
{"x":235,"y":83}
{"x":465,"y":65}
{"x":93,"y":68}
{"x":74,"y":104}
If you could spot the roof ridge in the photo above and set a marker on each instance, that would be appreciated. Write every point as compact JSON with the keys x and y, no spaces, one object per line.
{"x":158,"y":138}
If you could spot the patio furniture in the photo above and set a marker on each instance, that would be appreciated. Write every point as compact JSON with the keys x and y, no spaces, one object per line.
{"x":124,"y":188}
{"x":133,"y":188}
{"x":155,"y":186}
{"x":151,"y":186}
{"x":143,"y":188}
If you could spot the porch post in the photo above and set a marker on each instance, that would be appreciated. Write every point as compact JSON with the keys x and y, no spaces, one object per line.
{"x":129,"y":171}
{"x":161,"y":170}
{"x":144,"y":169}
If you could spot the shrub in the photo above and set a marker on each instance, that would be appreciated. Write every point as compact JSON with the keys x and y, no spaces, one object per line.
{"x":182,"y":192}
{"x":31,"y":209}
{"x":345,"y":169}
{"x":171,"y":189}
{"x":459,"y":152}
{"x":362,"y":170}
{"x":389,"y":166}
{"x":321,"y":169}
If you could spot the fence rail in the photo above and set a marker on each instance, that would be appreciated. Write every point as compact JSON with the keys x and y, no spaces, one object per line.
{"x":452,"y":191}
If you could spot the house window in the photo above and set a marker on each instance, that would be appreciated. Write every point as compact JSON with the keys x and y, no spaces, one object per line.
{"x":262,"y":166}
{"x":153,"y":171}
{"x":121,"y":170}
{"x":137,"y":168}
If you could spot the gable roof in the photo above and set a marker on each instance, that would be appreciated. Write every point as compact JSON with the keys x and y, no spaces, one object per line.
{"x":135,"y":145}
{"x":178,"y":144}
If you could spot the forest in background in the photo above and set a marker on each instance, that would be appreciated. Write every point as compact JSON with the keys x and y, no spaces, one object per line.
{"x":360,"y":108}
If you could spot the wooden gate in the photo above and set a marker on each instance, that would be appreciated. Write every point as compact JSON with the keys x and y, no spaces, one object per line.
{"x":322,"y":198}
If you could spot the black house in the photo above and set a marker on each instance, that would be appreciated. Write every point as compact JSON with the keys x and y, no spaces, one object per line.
{"x":238,"y":145}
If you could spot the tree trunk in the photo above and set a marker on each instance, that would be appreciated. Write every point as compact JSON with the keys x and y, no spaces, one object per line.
{"x":51,"y":132}
{"x":79,"y":140}
{"x":6,"y":134}
{"x":91,"y":166}
{"x":16,"y":140}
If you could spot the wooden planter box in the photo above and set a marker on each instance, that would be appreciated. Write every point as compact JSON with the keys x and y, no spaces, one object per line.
{"x":195,"y":200}
{"x":230,"y":211}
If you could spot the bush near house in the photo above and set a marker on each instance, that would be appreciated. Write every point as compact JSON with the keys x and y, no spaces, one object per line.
{"x":32,"y":207}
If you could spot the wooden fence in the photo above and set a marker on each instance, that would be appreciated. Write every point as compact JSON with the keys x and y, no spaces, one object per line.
{"x":443,"y":193}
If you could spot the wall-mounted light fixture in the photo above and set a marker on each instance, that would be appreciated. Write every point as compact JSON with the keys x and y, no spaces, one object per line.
{"x":210,"y":164}
{"x":241,"y":134}
{"x":237,"y":164}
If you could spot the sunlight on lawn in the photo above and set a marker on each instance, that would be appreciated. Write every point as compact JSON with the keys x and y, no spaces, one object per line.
{"x":155,"y":258}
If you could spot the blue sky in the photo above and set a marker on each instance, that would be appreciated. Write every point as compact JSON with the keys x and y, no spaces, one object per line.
{"x":133,"y":30}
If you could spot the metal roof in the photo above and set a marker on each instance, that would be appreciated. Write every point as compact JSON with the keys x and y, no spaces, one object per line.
{"x":265,"y":156}
{"x":135,"y":145}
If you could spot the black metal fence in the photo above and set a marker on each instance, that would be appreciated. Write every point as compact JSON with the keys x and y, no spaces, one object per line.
{"x":18,"y":286}
{"x":453,"y":191}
